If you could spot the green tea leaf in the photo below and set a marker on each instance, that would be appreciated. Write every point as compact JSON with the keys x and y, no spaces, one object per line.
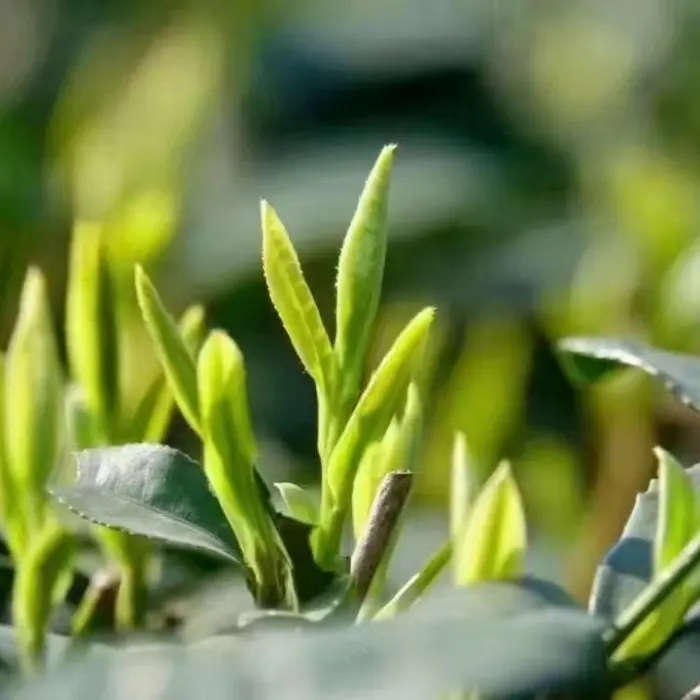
{"x":300,"y":504}
{"x":80,"y":423}
{"x":41,"y":576}
{"x":360,"y":274}
{"x":464,"y":486}
{"x":229,"y":463}
{"x":175,"y":357}
{"x":679,"y":511}
{"x":293,"y":300}
{"x":153,"y":491}
{"x":493,"y":541}
{"x":379,"y":402}
{"x":154,"y":412}
{"x":678,"y":522}
{"x":11,"y":516}
{"x":368,"y":423}
{"x":132,"y":556}
{"x":591,"y":359}
{"x":394,"y":453}
{"x":91,"y":327}
{"x":33,"y":398}
{"x":365,"y":485}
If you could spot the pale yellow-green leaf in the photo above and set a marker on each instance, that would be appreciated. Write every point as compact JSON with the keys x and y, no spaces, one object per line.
{"x":360,"y":273}
{"x":229,"y":455}
{"x":464,"y":485}
{"x":393,"y":453}
{"x":364,"y":486}
{"x":41,"y":577}
{"x":81,"y":430}
{"x":33,"y":399}
{"x":11,"y":517}
{"x":678,"y":522}
{"x":367,"y":424}
{"x":679,"y":511}
{"x":293,"y":300}
{"x":143,"y":225}
{"x":379,"y":401}
{"x":155,"y":409}
{"x":174,"y":355}
{"x":493,"y":541}
{"x":300,"y":503}
{"x":91,"y":327}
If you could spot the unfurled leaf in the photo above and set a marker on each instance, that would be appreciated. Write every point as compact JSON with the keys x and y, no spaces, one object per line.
{"x":294,"y":302}
{"x":678,"y":522}
{"x":175,"y":357}
{"x":40,"y":580}
{"x":91,"y":327}
{"x":360,"y":274}
{"x":679,"y":511}
{"x":299,"y":503}
{"x":392,"y":454}
{"x":229,"y":463}
{"x":154,"y":412}
{"x":628,"y":568}
{"x":33,"y":398}
{"x":590,"y":359}
{"x":493,"y":540}
{"x":153,"y":491}
{"x":464,"y":486}
{"x":369,"y":421}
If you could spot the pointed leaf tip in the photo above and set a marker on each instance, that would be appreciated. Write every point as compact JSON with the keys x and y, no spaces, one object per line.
{"x":174,"y":354}
{"x":34,"y":392}
{"x":361,"y":272}
{"x":293,"y":301}
{"x":493,"y":540}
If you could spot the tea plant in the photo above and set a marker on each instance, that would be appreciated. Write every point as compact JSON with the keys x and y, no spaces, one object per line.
{"x":290,"y":546}
{"x":44,"y":415}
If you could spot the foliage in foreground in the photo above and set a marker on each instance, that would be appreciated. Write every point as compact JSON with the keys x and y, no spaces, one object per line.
{"x":323,"y":615}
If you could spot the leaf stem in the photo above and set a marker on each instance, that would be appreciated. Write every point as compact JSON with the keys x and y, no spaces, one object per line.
{"x":416,"y":586}
{"x":653,"y":595}
{"x":130,"y":609}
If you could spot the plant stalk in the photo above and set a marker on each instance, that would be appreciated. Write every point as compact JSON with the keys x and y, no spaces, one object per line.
{"x":416,"y":586}
{"x":389,"y":502}
{"x":653,"y":595}
{"x":130,"y":609}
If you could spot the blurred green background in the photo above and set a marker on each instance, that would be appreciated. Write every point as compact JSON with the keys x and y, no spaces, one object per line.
{"x":546,"y":184}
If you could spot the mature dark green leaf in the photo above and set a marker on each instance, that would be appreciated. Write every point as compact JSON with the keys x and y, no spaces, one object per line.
{"x":624,"y":573}
{"x":590,"y":359}
{"x":149,"y":490}
{"x":469,"y":641}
